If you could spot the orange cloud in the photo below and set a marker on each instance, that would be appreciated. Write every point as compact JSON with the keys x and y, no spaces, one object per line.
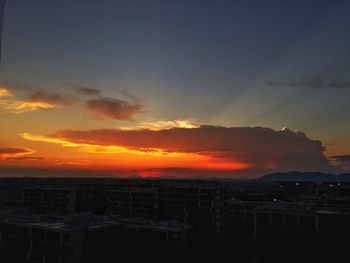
{"x":14,"y":152}
{"x":15,"y":106}
{"x":98,"y":107}
{"x":342,"y":161}
{"x":163,"y":125}
{"x":4,"y":92}
{"x":50,"y":98}
{"x":25,"y":158}
{"x":35,"y":101}
{"x":141,"y":157}
{"x":205,"y":147}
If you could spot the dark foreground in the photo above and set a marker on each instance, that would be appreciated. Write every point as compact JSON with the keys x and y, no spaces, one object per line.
{"x":63,"y":220}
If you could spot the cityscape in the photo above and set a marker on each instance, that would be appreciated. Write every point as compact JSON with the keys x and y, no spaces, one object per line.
{"x":161,"y":220}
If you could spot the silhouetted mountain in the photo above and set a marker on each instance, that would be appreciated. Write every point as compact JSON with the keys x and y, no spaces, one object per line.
{"x":305,"y":176}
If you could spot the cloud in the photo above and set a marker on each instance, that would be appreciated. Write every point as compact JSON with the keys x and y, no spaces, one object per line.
{"x":332,"y":76}
{"x":88,"y":91}
{"x":13,"y":152}
{"x":23,"y":106}
{"x":164,"y":124}
{"x":50,"y":98}
{"x":341,"y":160}
{"x":109,"y":108}
{"x":15,"y":87}
{"x":35,"y":101}
{"x":259,"y":148}
{"x":26,"y":158}
{"x":98,"y":107}
{"x":344,"y":158}
{"x":128,"y":95}
{"x":4,"y":92}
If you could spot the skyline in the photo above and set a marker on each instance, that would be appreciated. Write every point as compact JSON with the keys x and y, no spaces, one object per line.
{"x":234,"y":88}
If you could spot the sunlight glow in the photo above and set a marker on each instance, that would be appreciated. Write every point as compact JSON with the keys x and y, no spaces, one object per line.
{"x":163,"y":125}
{"x":4,"y":92}
{"x":24,"y":106}
{"x":144,"y":157}
{"x":26,"y":151}
{"x":98,"y":149}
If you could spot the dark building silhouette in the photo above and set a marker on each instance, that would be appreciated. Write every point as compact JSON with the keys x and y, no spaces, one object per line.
{"x":106,"y":220}
{"x":199,"y":204}
{"x":28,"y":237}
{"x":50,"y":200}
{"x":303,"y":230}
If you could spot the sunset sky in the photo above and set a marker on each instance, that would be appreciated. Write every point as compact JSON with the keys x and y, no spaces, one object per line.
{"x":223,"y":88}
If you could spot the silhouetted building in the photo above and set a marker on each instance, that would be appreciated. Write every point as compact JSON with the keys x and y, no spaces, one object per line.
{"x":28,"y":237}
{"x":243,"y":222}
{"x":299,"y":231}
{"x":198,"y":204}
{"x":202,"y":205}
{"x":50,"y":200}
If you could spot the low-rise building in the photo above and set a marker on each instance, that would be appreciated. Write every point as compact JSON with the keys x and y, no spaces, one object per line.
{"x":82,"y":238}
{"x":50,"y":200}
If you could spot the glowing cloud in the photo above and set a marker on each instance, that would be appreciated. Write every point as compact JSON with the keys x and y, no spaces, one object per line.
{"x":85,"y":147}
{"x":15,"y":106}
{"x":4,"y":92}
{"x":144,"y":157}
{"x":36,"y":101}
{"x":14,"y":152}
{"x":212,"y":147}
{"x":50,"y":98}
{"x":164,"y":125}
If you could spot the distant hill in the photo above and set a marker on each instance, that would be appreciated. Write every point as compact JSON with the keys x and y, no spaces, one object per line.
{"x":305,"y":176}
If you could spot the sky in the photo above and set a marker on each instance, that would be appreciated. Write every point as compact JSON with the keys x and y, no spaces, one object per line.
{"x":219,"y":88}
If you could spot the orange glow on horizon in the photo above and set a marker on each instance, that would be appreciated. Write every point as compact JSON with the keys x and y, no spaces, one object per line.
{"x":124,"y":158}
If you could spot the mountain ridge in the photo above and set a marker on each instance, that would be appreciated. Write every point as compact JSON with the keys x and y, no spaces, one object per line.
{"x":305,"y":177}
